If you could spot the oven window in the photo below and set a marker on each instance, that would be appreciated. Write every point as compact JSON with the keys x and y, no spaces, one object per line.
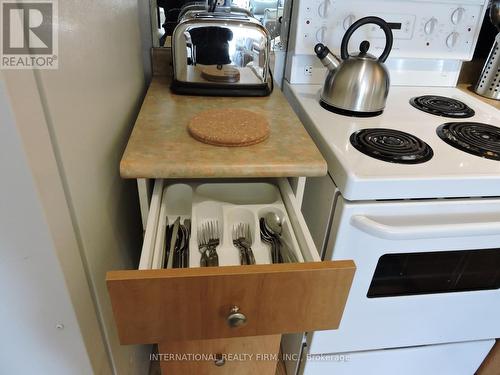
{"x":435,"y":272}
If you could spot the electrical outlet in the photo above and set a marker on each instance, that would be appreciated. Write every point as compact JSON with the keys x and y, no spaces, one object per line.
{"x":308,"y":70}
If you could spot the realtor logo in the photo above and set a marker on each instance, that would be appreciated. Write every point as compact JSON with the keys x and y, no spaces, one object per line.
{"x":29,"y":35}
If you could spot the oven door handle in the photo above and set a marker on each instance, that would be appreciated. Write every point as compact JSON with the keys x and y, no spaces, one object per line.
{"x":412,"y":232}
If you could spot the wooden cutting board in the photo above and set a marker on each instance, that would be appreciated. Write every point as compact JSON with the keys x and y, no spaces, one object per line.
{"x":229,"y":127}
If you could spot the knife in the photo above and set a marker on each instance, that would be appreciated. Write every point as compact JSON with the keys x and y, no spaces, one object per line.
{"x":187,"y":224}
{"x":168,"y":236}
{"x":173,"y":240}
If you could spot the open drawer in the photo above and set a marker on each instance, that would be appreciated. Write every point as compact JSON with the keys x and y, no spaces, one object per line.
{"x":154,"y":305}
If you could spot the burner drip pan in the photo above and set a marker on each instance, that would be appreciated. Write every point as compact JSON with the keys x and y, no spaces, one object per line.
{"x":473,"y":137}
{"x":442,"y":106}
{"x":391,"y":145}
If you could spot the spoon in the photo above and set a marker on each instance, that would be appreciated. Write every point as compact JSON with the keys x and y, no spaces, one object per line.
{"x":275,"y":225}
{"x":273,"y":222}
{"x":270,"y":238}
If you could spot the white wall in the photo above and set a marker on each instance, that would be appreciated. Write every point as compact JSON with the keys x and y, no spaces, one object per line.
{"x":33,"y":292}
{"x":88,"y":107}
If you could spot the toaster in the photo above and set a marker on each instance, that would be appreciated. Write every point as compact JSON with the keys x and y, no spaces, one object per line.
{"x":221,"y":54}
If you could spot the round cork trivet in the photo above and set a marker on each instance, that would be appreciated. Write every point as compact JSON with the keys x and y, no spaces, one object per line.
{"x":226,"y":74}
{"x":229,"y":127}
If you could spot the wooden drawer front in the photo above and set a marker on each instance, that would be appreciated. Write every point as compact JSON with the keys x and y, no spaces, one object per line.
{"x":242,"y":356}
{"x":188,"y":304}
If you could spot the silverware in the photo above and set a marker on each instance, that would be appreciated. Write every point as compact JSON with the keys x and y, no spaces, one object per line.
{"x":242,"y":239}
{"x":272,"y":227}
{"x":168,"y":237}
{"x":187,"y":226}
{"x":208,"y":240}
{"x":202,"y":247}
{"x":180,"y":246}
{"x":177,"y":244}
{"x":236,"y":235}
{"x":271,"y":240}
{"x":173,"y":241}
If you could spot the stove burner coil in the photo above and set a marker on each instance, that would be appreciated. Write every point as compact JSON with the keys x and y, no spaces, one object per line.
{"x":391,"y":145}
{"x":473,"y":137}
{"x":442,"y":106}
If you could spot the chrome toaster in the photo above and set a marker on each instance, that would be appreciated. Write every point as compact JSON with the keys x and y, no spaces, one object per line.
{"x":221,"y":54}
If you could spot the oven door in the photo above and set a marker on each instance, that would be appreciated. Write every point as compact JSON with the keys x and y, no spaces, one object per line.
{"x":428,"y":272}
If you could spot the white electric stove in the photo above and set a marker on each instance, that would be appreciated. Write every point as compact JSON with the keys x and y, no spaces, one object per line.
{"x":418,"y":209}
{"x":450,"y":172}
{"x":412,"y":195}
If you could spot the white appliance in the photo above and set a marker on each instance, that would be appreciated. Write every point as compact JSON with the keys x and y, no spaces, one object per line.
{"x":431,"y":38}
{"x":413,"y":196}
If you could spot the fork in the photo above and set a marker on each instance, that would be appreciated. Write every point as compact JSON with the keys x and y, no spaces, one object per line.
{"x":242,"y":239}
{"x":208,"y":240}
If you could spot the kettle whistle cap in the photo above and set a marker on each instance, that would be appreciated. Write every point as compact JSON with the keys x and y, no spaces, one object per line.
{"x":321,"y":50}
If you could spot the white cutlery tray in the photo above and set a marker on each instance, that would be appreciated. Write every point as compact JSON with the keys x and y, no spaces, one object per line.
{"x":229,"y":204}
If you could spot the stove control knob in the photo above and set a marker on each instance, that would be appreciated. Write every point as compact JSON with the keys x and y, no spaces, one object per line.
{"x":348,"y":21}
{"x":321,"y":34}
{"x":457,"y":16}
{"x":430,"y":26}
{"x":323,"y":8}
{"x":452,"y":39}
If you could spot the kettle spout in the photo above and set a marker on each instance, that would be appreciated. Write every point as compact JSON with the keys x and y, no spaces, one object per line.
{"x":328,"y":59}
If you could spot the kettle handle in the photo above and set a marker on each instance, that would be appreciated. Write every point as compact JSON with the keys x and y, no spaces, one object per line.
{"x":363,"y":21}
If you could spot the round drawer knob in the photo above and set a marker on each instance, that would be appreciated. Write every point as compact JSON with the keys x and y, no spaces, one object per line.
{"x":236,"y":318}
{"x":219,"y":360}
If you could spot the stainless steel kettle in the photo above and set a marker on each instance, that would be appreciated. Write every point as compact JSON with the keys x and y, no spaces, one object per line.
{"x":356,"y":85}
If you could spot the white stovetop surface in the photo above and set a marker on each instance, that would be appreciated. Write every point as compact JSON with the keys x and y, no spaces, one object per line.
{"x":450,"y":173}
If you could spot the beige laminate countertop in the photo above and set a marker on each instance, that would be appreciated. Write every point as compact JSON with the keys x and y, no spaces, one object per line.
{"x":161,"y":147}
